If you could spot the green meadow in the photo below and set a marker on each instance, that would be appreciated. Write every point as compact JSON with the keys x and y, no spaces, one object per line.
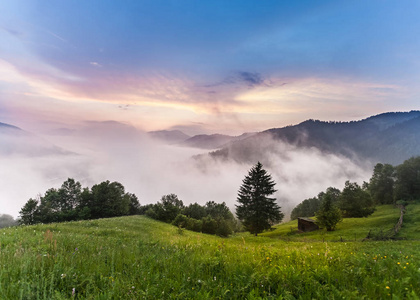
{"x":138,"y":258}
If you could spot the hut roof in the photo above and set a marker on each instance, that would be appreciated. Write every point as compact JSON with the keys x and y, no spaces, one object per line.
{"x":308,"y":220}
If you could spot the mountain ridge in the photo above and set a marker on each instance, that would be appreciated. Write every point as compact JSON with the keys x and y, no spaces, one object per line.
{"x":387,"y":138}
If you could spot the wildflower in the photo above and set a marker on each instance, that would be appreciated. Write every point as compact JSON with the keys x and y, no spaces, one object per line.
{"x":63,"y":276}
{"x":407,"y":263}
{"x":73,"y":291}
{"x":398,"y":263}
{"x":387,"y":287}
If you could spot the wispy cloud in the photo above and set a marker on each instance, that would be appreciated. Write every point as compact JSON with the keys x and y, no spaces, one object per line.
{"x":95,"y":64}
{"x":239,"y":97}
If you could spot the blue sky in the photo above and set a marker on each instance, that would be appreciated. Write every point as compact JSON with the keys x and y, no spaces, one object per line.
{"x":206,"y":66}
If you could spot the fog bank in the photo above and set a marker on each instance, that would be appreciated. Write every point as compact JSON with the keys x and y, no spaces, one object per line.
{"x":99,"y":151}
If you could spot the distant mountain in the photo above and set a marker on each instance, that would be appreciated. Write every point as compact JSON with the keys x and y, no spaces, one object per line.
{"x":213,"y":141}
{"x":201,"y":141}
{"x":15,"y":141}
{"x":387,"y":138}
{"x":169,"y":136}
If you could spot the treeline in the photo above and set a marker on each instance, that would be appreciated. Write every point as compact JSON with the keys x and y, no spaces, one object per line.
{"x":212,"y":218}
{"x":108,"y":199}
{"x":354,"y":201}
{"x":71,"y":202}
{"x":388,"y":185}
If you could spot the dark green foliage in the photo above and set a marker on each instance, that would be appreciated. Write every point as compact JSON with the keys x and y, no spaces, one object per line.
{"x":381,"y":184}
{"x":49,"y":209}
{"x":28,"y":213}
{"x":181,"y":221}
{"x":256,"y":210}
{"x":167,"y":209}
{"x":134,"y":207}
{"x":224,"y":227}
{"x":218,"y":210}
{"x":213,"y":218}
{"x":70,"y":195}
{"x":307,"y":208}
{"x":407,"y":186}
{"x":333,"y":192}
{"x":209,"y":225}
{"x":109,"y":200}
{"x":329,"y":215}
{"x":310,"y":206}
{"x":144,"y":208}
{"x":70,"y":202}
{"x":195,"y":211}
{"x":355,"y":202}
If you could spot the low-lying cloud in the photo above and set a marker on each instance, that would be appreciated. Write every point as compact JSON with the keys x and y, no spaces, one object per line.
{"x":100,"y":151}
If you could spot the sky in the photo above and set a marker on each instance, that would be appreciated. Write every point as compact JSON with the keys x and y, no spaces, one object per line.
{"x":205,"y":66}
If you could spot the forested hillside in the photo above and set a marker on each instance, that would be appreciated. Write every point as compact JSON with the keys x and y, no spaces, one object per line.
{"x":386,"y":138}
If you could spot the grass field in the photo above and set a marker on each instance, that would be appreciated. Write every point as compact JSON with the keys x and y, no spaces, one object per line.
{"x":139,"y":258}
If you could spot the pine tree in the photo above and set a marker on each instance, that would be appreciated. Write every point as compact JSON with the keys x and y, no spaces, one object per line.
{"x":256,"y":210}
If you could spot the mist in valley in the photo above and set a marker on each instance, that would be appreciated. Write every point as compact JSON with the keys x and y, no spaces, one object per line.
{"x":99,"y":151}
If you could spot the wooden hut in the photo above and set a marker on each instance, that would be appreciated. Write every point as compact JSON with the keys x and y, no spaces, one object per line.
{"x":307,"y":224}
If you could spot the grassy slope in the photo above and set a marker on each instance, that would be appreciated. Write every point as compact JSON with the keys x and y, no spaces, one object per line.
{"x":351,"y":229}
{"x":411,"y":224}
{"x":138,"y":258}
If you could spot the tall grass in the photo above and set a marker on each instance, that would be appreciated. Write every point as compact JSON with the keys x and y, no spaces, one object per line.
{"x":138,"y":258}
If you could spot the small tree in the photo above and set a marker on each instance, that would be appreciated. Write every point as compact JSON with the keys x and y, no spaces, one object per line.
{"x":329,"y":215}
{"x":29,"y":213}
{"x":256,"y":210}
{"x":168,"y":208}
{"x":134,"y":208}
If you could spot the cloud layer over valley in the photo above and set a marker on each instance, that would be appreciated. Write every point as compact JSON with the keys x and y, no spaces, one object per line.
{"x":98,"y":151}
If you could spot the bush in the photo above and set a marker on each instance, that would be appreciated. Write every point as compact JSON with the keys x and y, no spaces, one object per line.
{"x":181,"y":221}
{"x":224,"y":228}
{"x":209,"y":225}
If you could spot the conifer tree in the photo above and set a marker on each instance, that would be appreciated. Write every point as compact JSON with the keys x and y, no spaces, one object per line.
{"x":256,"y":210}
